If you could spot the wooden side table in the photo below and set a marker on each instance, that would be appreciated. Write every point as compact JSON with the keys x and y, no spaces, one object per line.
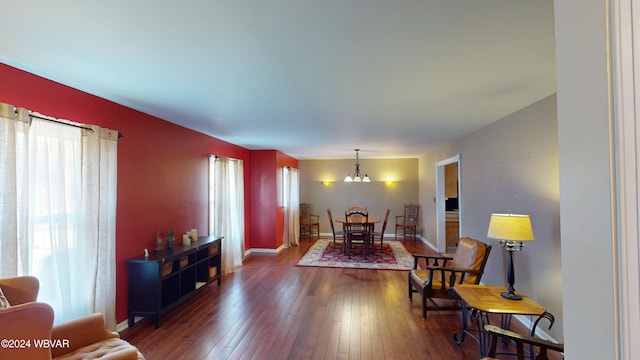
{"x":484,"y":300}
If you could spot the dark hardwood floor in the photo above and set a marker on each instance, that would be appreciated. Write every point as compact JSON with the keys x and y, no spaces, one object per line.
{"x":271,"y":309}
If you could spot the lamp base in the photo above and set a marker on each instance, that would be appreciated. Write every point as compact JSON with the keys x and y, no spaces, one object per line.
{"x":511,"y":296}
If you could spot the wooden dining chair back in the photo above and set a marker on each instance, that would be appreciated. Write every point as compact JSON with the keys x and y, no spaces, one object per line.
{"x":380,"y":235}
{"x":356,"y":208}
{"x":309,"y":223}
{"x":336,"y":234}
{"x":407,"y":223}
{"x":525,"y":345}
{"x":436,"y":276}
{"x":357,"y":234}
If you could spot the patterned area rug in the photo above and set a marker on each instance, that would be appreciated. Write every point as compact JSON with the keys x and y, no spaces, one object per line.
{"x":393,"y":257}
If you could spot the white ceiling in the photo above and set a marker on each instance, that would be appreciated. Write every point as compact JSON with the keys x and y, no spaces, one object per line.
{"x":311,"y":78}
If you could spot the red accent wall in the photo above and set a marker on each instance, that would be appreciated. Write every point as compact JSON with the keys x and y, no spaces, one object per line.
{"x":267,"y":227}
{"x":162,"y":170}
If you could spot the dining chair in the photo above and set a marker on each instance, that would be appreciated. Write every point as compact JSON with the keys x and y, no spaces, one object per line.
{"x":381,"y":233}
{"x":407,"y":223}
{"x":336,"y":234}
{"x":356,"y":208}
{"x":356,"y":229}
{"x":309,"y":223}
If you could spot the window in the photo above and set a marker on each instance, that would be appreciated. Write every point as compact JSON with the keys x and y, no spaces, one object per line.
{"x":226,"y":208}
{"x":57,"y":211}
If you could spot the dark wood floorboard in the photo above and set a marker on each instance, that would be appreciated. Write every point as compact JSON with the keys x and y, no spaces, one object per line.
{"x":272,"y":309}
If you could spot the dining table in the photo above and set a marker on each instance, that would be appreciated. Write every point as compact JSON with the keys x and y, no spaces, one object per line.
{"x":369,"y":222}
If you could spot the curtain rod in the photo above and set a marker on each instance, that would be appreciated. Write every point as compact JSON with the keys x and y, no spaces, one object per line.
{"x":59,"y":122}
{"x":223,"y":157}
{"x":120,"y":136}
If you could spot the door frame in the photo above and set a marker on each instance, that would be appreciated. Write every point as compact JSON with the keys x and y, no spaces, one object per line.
{"x":441,"y":217}
{"x":626,"y":82}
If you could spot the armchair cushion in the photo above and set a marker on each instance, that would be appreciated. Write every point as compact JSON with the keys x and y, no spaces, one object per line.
{"x":113,"y":348}
{"x":81,"y":332}
{"x":470,"y":254}
{"x":422,"y":276}
{"x":88,"y":338}
{"x":435,"y":276}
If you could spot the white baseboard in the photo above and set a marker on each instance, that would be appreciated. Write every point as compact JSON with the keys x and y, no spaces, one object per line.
{"x":123,"y":325}
{"x":264,"y":250}
{"x":526,"y":322}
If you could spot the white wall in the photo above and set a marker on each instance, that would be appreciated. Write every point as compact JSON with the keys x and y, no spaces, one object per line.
{"x":510,"y":165}
{"x":584,"y":133}
{"x":376,"y":196}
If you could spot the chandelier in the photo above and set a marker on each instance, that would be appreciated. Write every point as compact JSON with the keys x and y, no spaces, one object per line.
{"x":356,"y":177}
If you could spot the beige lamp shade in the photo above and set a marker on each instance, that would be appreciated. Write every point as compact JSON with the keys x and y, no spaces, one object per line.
{"x":513,"y":227}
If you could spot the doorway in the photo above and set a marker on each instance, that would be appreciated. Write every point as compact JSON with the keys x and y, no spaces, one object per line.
{"x":448,"y":203}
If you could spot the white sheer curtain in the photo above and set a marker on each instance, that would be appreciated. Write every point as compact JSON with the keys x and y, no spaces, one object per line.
{"x":291,"y":204}
{"x":14,"y":141}
{"x":99,"y":191}
{"x":226,"y":203}
{"x":64,"y":179}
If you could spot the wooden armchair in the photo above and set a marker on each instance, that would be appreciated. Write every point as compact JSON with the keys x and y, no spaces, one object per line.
{"x":309,"y":223}
{"x":441,"y":273}
{"x":523,"y":344}
{"x":408,"y":222}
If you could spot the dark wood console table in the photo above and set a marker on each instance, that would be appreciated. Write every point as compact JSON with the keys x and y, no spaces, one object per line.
{"x":165,"y":279}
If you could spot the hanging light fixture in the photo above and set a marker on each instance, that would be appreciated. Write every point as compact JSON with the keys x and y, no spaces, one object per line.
{"x":356,"y":177}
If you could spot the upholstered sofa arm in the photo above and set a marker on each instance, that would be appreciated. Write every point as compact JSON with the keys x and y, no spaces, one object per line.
{"x":21,"y":326}
{"x":21,"y":289}
{"x":80,"y":332}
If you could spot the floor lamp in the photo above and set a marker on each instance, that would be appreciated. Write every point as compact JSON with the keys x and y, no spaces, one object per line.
{"x":511,"y":230}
